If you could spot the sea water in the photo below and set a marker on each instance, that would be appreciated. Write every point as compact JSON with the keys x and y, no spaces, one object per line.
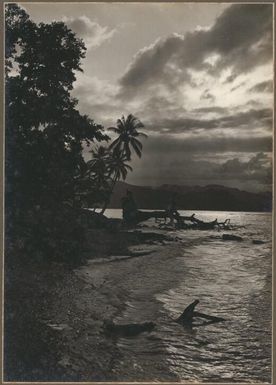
{"x":231,"y":279}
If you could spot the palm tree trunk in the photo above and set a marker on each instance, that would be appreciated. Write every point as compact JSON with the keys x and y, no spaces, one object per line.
{"x":111,"y":191}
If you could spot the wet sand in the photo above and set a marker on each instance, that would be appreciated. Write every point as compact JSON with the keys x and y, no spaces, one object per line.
{"x":55,"y":313}
{"x":100,"y":290}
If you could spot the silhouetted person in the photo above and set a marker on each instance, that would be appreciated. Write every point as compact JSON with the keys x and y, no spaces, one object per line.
{"x":171,"y":210}
{"x":129,"y":208}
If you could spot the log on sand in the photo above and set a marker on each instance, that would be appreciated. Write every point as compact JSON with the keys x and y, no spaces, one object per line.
{"x":196,"y":223}
{"x":188,"y":315}
{"x":208,"y":317}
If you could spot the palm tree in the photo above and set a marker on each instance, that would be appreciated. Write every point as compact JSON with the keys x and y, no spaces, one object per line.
{"x":98,"y":171}
{"x":127,"y":129}
{"x":118,"y":166}
{"x":118,"y":169}
{"x":97,"y":166}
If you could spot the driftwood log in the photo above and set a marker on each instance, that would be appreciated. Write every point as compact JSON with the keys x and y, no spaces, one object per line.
{"x":97,"y":220}
{"x":181,"y":220}
{"x":127,"y":330}
{"x":188,"y":315}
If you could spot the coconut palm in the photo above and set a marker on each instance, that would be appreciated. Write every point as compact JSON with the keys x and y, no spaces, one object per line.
{"x":118,"y":166}
{"x":118,"y":169}
{"x":127,"y":129}
{"x":97,"y":167}
{"x":98,"y":171}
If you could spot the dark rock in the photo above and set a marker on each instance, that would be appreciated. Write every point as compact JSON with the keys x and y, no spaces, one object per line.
{"x":127,"y":330}
{"x":94,"y":220}
{"x":258,"y":242}
{"x":231,"y":237}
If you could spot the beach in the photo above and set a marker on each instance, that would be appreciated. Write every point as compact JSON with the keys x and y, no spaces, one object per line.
{"x":150,"y":274}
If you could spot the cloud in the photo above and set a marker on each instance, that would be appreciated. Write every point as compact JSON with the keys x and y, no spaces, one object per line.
{"x":265,"y":86}
{"x":203,"y":144}
{"x":188,"y":84}
{"x":261,"y":118}
{"x":231,"y":78}
{"x":258,"y":167}
{"x":207,"y":95}
{"x":253,"y":174}
{"x":238,"y":86}
{"x":91,"y":32}
{"x":215,"y":109}
{"x":240,"y":39}
{"x":202,"y":97}
{"x":97,"y":98}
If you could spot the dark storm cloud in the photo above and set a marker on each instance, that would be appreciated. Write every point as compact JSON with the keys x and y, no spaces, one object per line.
{"x":149,"y":63}
{"x":266,"y":86}
{"x":241,"y":37}
{"x":253,"y":174}
{"x":252,"y":118}
{"x":156,"y":105}
{"x":258,"y":167}
{"x":203,"y":144}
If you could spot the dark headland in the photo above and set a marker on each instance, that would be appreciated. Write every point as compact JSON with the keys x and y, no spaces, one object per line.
{"x":210,"y":197}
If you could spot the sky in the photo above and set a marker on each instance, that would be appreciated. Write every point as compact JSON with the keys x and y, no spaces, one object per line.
{"x":198,"y":75}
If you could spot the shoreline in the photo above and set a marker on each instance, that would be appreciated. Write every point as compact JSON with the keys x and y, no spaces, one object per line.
{"x":134,"y":276}
{"x":47,"y":334}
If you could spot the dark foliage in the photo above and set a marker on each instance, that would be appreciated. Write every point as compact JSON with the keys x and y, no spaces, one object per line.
{"x":45,"y":132}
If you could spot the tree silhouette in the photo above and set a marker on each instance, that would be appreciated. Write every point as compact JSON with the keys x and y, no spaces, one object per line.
{"x":118,"y":169}
{"x":118,"y":166}
{"x":45,"y":133}
{"x":127,"y":129}
{"x":98,"y":171}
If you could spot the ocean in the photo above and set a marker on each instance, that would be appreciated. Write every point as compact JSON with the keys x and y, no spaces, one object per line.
{"x":231,"y":279}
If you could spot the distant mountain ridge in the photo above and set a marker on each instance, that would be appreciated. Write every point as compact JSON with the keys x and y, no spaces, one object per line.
{"x":210,"y":197}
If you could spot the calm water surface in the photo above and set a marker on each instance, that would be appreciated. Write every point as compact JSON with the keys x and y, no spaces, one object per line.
{"x":231,"y":280}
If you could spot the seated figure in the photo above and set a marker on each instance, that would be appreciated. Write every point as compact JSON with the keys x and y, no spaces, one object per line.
{"x":129,"y":208}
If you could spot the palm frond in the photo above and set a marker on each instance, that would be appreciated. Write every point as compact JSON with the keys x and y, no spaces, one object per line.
{"x":123,"y":119}
{"x":130,"y":118}
{"x":127,"y":151}
{"x":139,"y":144}
{"x":136,"y":147}
{"x":90,"y":163}
{"x":137,"y":123}
{"x":120,"y":125}
{"x":115,"y":143}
